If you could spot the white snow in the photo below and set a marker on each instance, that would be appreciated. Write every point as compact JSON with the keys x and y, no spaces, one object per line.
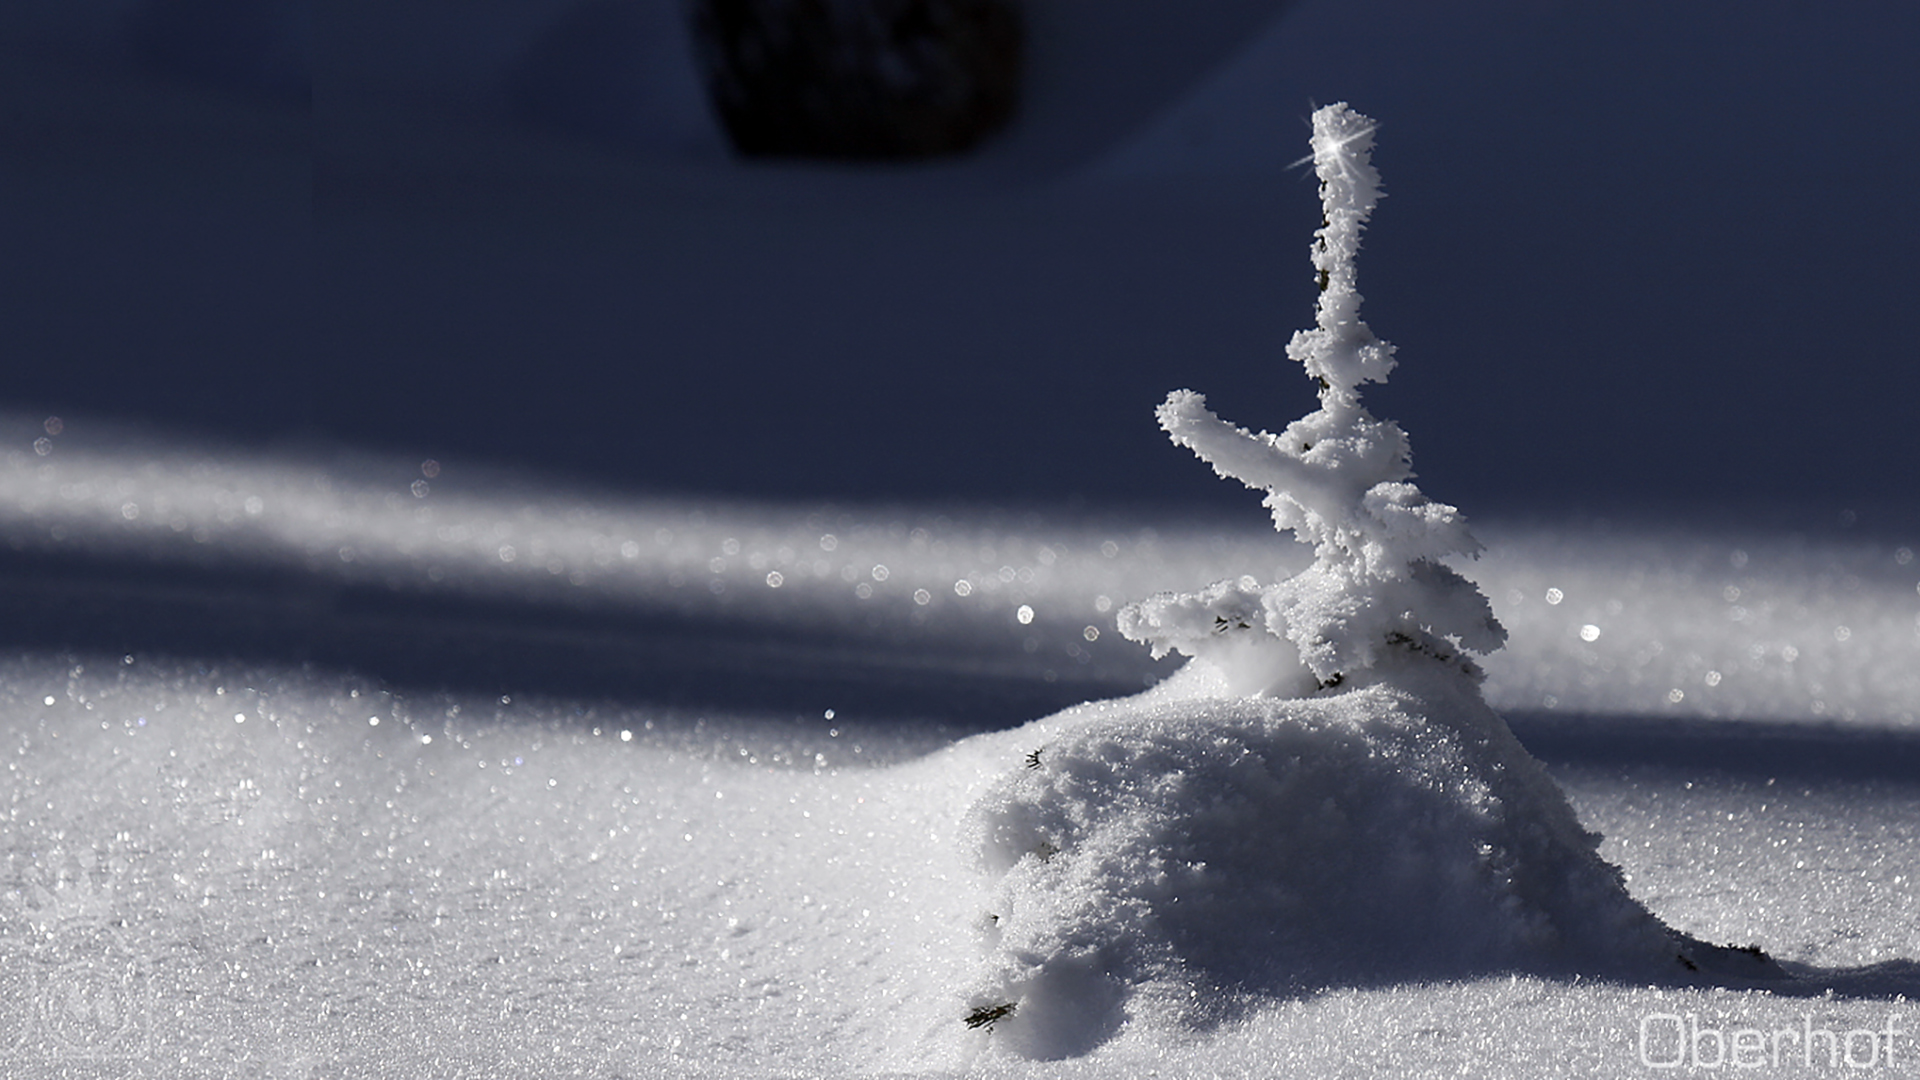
{"x":331,"y":766}
{"x":556,"y":884}
{"x":1169,"y":861}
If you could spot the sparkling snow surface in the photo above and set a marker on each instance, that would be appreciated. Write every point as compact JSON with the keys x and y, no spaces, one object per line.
{"x":282,"y":865}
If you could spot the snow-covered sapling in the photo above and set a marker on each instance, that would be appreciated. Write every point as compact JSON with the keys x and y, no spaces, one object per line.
{"x":1339,"y":479}
{"x":1164,"y":856}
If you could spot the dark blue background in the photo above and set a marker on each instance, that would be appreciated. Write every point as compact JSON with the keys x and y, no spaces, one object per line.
{"x":1633,"y":253}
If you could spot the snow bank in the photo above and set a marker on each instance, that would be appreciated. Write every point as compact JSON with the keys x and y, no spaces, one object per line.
{"x":478,"y":887}
{"x":1163,"y":860}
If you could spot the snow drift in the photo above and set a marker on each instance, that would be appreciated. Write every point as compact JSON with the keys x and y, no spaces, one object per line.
{"x":1160,"y":859}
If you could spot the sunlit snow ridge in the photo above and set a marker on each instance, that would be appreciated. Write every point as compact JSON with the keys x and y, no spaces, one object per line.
{"x":1617,"y":620}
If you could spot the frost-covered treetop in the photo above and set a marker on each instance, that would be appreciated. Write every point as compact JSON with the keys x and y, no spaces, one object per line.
{"x":1339,"y":479}
{"x":1340,"y":351}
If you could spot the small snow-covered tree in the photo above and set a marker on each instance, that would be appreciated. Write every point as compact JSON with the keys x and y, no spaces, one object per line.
{"x":1150,"y":857}
{"x":1339,"y":479}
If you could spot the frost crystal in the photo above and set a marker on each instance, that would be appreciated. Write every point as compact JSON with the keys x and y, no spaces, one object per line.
{"x":1339,"y":479}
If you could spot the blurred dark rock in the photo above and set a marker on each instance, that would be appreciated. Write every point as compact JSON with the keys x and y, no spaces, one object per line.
{"x":860,"y":79}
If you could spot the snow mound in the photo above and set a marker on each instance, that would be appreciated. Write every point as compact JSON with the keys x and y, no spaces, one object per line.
{"x":1157,"y":859}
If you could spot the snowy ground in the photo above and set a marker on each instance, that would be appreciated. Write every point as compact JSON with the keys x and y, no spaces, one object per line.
{"x":363,"y":829}
{"x":329,"y":765}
